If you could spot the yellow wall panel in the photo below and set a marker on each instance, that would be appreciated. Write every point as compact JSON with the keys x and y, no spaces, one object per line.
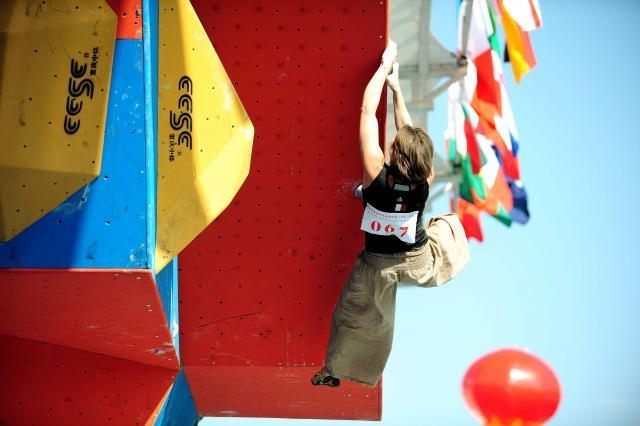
{"x":204,"y":134}
{"x":55,"y":70}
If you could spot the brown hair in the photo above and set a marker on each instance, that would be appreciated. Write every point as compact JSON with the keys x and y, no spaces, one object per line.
{"x":411,"y":155}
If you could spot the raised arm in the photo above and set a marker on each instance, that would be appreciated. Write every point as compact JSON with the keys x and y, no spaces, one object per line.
{"x":400,"y":113}
{"x":371,"y":153}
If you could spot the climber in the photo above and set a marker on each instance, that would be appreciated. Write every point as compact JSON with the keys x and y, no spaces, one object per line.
{"x":398,"y":248}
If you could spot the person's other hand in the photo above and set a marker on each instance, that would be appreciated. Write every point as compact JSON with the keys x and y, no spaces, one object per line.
{"x":393,"y":80}
{"x":390,"y":53}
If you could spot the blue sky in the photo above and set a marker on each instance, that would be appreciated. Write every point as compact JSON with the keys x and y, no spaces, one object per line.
{"x":564,"y":286}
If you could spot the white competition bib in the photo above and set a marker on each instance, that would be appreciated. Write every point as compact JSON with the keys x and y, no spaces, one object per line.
{"x":402,"y":225}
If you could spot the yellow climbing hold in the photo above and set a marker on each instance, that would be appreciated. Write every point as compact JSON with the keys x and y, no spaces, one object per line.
{"x":55,"y":71}
{"x":204,"y":134}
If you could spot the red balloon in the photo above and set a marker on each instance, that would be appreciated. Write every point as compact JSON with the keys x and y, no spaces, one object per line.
{"x":511,"y":385}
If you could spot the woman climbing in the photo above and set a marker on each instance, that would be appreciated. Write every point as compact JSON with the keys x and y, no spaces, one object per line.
{"x":398,"y":248}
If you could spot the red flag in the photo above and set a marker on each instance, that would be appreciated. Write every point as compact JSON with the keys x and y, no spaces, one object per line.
{"x":470,"y":217}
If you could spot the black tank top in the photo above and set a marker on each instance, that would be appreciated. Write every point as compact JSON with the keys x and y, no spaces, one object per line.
{"x":381,"y":195}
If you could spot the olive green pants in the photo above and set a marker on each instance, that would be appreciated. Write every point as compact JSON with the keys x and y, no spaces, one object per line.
{"x":363,"y":319}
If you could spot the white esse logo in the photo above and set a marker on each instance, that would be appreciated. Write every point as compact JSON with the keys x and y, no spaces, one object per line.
{"x":402,"y":225}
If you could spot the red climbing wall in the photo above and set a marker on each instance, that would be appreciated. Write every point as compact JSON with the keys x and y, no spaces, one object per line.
{"x":45,"y":384}
{"x":257,"y":288}
{"x":115,"y":312}
{"x":129,"y":18}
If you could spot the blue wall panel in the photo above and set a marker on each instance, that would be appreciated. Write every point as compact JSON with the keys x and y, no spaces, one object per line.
{"x":179,"y":408}
{"x":167,"y":284}
{"x":105,"y":223}
{"x":150,"y":40}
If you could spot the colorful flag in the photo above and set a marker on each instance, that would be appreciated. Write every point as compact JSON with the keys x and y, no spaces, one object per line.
{"x":525,"y":12}
{"x":481,"y":134}
{"x":520,"y":211}
{"x":470,"y":217}
{"x":482,"y":50}
{"x":521,"y":53}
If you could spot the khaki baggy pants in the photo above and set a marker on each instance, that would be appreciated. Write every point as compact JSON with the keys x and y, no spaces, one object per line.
{"x":363,"y":319}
